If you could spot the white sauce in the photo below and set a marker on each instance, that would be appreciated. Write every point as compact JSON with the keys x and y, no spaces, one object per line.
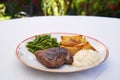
{"x":86,"y":58}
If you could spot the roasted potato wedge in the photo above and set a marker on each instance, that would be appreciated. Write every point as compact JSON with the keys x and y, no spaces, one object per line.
{"x":70,"y":42}
{"x":72,"y":50}
{"x":77,"y":37}
{"x":75,"y":43}
{"x":87,"y":45}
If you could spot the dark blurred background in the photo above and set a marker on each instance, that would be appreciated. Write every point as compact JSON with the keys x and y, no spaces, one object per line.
{"x":10,"y":9}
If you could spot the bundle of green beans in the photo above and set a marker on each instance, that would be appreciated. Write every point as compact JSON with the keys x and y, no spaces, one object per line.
{"x":41,"y":43}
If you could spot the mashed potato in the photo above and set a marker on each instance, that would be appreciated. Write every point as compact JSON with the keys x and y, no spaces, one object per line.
{"x":86,"y":58}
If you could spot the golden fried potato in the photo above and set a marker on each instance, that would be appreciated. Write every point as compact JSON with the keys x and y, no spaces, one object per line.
{"x":77,"y":37}
{"x":87,"y":45}
{"x":70,"y":42}
{"x":83,"y":40}
{"x":72,"y":50}
{"x":75,"y":43}
{"x":79,"y":46}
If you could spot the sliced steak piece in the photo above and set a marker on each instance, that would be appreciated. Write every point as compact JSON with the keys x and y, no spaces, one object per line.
{"x":54,"y":57}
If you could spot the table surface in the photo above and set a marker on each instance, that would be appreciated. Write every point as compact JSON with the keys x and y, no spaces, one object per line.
{"x":12,"y":32}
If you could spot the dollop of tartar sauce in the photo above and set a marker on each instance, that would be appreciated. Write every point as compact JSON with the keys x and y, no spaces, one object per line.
{"x":86,"y":58}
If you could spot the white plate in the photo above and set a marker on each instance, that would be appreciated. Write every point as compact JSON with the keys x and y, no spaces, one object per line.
{"x":30,"y":60}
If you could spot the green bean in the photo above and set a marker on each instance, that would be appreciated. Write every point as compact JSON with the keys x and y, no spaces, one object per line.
{"x":39,"y":47}
{"x":31,"y":50}
{"x":30,"y":42}
{"x":41,"y":43}
{"x":37,"y":38}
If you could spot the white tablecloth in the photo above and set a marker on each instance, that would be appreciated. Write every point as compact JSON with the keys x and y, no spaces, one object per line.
{"x":12,"y":32}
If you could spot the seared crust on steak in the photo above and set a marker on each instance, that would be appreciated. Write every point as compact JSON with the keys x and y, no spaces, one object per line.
{"x":54,"y":57}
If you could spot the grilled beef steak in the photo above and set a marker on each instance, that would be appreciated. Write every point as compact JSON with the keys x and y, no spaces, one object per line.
{"x":54,"y":57}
